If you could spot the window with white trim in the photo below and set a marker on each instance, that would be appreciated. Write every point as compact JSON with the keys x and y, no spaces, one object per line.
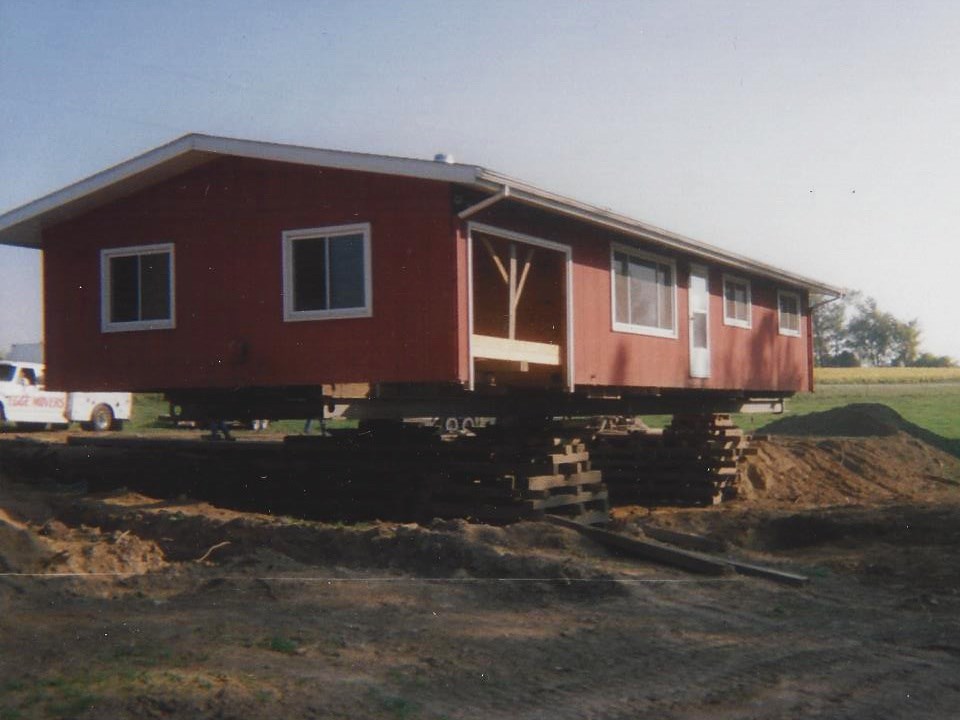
{"x":326,"y":273}
{"x":644,"y":292}
{"x":136,"y":286}
{"x":737,"y":309}
{"x":788,"y":310}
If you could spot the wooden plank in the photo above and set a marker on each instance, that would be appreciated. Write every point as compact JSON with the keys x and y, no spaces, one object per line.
{"x":496,"y":259}
{"x":647,"y":550}
{"x":512,"y":295}
{"x":688,"y":541}
{"x":495,"y":348}
{"x":555,"y":501}
{"x":694,"y":562}
{"x":592,"y":517}
{"x":766,"y":573}
{"x":559,"y":459}
{"x":549,"y":482}
{"x":523,"y":279}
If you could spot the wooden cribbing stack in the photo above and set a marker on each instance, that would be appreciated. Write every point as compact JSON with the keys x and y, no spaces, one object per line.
{"x":389,"y":471}
{"x":495,"y":475}
{"x":696,"y":460}
{"x":522,"y":478}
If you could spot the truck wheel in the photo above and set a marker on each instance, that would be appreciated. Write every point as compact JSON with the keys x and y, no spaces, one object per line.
{"x":101,"y":419}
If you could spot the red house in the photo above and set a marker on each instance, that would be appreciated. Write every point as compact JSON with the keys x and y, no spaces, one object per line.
{"x":250,"y":278}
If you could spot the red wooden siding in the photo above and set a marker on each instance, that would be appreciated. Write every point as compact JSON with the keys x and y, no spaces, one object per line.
{"x":756,"y":359}
{"x":225,"y":220}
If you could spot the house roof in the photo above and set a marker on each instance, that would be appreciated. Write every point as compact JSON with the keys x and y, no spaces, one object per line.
{"x":23,"y":226}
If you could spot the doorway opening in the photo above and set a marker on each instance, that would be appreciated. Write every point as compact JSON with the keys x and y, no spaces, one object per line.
{"x":520,"y":310}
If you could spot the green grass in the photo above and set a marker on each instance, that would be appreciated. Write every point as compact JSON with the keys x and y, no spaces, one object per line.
{"x":932,"y":406}
{"x":281,"y":644}
{"x":149,"y":407}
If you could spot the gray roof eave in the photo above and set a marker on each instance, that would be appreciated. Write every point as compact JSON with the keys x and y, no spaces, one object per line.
{"x":23,"y":226}
{"x":531,"y":195}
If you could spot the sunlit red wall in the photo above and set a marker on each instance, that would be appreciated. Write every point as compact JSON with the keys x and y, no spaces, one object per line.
{"x":225,"y":220}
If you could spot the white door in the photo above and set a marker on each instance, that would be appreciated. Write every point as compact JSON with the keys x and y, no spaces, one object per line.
{"x":699,"y":300}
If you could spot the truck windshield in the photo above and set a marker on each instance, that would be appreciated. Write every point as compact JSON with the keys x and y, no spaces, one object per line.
{"x":6,"y":372}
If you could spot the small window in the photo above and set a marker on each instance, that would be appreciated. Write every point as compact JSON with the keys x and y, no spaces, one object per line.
{"x":736,"y":302}
{"x":789,"y":313}
{"x":326,"y":273}
{"x":644,"y":293}
{"x":137,"y":288}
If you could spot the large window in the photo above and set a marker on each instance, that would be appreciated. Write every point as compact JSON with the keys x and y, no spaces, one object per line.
{"x":788,"y":304}
{"x":644,"y":293}
{"x":326,"y":273}
{"x":137,"y":288}
{"x":736,"y":302}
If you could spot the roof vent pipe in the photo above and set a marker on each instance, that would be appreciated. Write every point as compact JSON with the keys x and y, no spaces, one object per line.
{"x":443,"y":158}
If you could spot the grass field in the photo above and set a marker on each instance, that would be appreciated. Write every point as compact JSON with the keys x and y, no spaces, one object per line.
{"x":933,"y":406}
{"x":928,"y":397}
{"x":148,"y":408}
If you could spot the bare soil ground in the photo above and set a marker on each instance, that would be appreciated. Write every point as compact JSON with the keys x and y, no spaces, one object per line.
{"x":119,"y":605}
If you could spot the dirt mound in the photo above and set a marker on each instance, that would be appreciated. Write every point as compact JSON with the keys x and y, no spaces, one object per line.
{"x":857,"y":420}
{"x":125,"y":533}
{"x":817,"y":472}
{"x":33,"y":540}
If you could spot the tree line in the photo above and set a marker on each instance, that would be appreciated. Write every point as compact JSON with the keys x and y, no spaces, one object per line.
{"x":854,"y":331}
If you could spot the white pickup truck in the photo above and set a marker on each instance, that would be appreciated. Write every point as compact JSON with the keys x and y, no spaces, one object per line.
{"x":24,"y":401}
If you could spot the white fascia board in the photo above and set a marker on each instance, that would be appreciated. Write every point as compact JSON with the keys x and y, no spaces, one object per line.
{"x":531,"y":195}
{"x":23,"y":225}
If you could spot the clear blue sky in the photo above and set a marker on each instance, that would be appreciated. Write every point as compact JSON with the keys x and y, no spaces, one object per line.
{"x":823,"y":137}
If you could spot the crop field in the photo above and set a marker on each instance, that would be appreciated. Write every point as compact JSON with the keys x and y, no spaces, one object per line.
{"x":885,"y":375}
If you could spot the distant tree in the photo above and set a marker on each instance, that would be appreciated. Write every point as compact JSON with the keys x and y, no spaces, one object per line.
{"x":870,"y":333}
{"x":829,"y":331}
{"x":906,"y":342}
{"x":929,"y":360}
{"x":880,"y":338}
{"x":854,"y":330}
{"x":844,"y":358}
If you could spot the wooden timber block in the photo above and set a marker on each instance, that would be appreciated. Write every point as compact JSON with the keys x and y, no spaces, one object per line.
{"x":534,"y":469}
{"x":547,"y":482}
{"x":564,"y":458}
{"x":555,"y":501}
